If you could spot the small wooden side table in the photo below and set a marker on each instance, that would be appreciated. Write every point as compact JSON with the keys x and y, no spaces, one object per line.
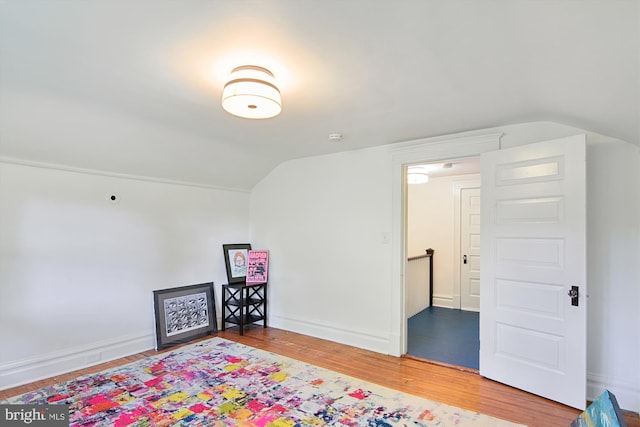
{"x":244,"y":304}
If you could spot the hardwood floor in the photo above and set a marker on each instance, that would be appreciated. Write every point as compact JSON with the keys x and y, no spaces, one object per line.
{"x":445,"y":384}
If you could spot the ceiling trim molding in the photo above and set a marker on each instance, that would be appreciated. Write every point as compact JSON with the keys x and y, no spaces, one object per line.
{"x":73,"y":169}
{"x":446,"y":148}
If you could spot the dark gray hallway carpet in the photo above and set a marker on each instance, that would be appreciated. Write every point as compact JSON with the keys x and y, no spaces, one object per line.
{"x":445,"y":335}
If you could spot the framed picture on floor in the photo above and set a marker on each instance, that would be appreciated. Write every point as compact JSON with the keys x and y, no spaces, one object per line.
{"x":236,"y":257}
{"x":184,"y":313}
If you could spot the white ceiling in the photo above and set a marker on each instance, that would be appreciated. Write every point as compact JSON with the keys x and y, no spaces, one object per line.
{"x":133,"y":86}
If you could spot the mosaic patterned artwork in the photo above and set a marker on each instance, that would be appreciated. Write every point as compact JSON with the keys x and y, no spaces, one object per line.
{"x":219,"y":382}
{"x":603,"y":412}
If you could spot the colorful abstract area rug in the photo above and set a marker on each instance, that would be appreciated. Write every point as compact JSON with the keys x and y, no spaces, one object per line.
{"x":222,"y":383}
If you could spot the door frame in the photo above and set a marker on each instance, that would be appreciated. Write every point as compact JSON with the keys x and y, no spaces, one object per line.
{"x":419,"y":151}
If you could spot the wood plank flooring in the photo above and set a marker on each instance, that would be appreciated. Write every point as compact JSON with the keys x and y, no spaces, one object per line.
{"x":445,"y":384}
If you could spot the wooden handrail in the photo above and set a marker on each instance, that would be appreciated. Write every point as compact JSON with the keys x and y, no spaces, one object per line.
{"x":429,"y":253}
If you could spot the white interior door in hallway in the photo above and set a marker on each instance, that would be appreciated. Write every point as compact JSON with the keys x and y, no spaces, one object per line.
{"x":470,"y":249}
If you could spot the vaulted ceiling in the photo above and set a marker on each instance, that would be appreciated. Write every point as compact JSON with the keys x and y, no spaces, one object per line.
{"x":133,"y":87}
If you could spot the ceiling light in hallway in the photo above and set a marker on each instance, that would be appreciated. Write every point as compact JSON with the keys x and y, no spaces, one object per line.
{"x":417,"y":175}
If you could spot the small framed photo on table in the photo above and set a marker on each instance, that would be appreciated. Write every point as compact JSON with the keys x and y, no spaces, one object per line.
{"x":236,"y":258}
{"x":184,"y":313}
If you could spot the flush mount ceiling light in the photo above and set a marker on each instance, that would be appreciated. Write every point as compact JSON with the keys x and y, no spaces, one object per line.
{"x":251,"y":92}
{"x":417,"y":175}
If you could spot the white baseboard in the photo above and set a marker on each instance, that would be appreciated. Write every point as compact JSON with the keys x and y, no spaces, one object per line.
{"x":48,"y":365}
{"x":627,"y":394}
{"x":440,"y":301}
{"x":368,"y":340}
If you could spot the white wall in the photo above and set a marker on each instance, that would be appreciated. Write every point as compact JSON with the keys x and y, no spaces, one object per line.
{"x":613,"y":272}
{"x":77,"y":271}
{"x":430,"y":221}
{"x":325,"y":219}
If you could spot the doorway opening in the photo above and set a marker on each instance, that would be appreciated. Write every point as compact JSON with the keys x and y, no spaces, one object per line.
{"x":443,"y":213}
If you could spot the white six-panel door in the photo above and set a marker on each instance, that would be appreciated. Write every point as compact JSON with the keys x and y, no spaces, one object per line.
{"x":533,"y":227}
{"x":470,"y":248}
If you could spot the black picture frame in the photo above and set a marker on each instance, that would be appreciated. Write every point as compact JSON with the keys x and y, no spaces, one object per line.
{"x":184,"y":313}
{"x":233,"y":253}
